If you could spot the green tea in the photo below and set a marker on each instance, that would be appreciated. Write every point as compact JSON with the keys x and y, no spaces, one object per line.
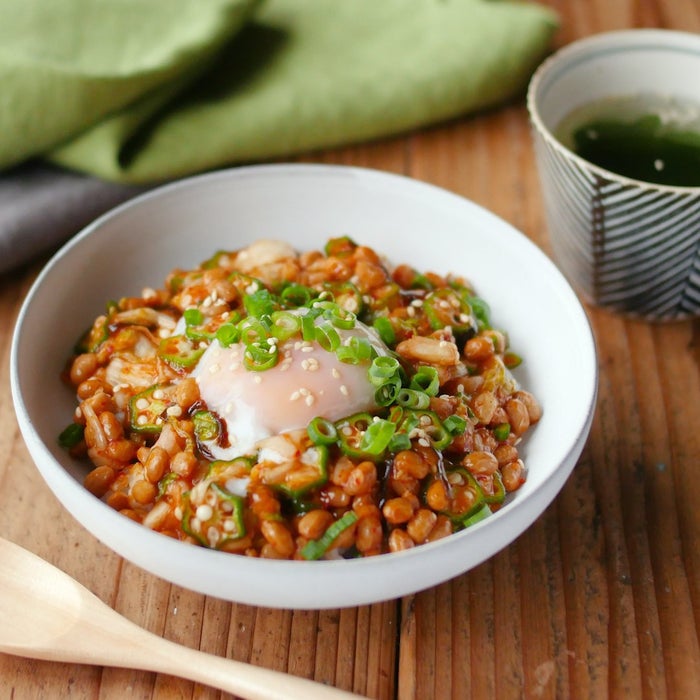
{"x":645,"y":138}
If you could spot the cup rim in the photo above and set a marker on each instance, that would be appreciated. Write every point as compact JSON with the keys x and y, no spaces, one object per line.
{"x":581,"y":46}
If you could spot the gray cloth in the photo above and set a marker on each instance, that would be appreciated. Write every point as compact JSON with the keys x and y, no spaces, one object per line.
{"x":41,"y":207}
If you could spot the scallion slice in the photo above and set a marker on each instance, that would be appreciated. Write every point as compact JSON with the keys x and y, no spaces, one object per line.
{"x":315,"y":549}
{"x":322,"y":431}
{"x":426,"y":380}
{"x":412,"y":398}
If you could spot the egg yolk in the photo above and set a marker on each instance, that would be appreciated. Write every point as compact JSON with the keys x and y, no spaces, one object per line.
{"x":307,"y":381}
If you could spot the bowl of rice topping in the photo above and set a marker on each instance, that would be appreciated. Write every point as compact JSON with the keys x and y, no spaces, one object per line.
{"x":303,"y":386}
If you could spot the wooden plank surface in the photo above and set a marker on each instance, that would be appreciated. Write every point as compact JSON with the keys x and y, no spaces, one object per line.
{"x":599,"y":598}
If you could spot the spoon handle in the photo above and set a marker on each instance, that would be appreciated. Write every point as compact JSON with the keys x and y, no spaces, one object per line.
{"x":244,"y":680}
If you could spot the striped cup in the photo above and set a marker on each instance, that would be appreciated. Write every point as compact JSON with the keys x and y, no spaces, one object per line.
{"x":624,"y":244}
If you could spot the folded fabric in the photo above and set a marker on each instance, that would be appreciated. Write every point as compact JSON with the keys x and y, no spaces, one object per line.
{"x":142,"y":92}
{"x":41,"y":206}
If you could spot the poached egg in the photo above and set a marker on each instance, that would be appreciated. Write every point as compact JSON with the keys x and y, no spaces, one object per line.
{"x":306,"y":382}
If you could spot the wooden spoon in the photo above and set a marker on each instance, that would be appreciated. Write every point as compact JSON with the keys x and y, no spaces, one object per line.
{"x":45,"y":614}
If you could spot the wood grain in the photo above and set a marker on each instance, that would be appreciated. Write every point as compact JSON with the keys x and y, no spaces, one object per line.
{"x":599,"y":598}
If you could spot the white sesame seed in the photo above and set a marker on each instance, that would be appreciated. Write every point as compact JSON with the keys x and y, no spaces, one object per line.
{"x":422,"y":441}
{"x":335,"y":374}
{"x":213,"y":369}
{"x":213,"y":536}
{"x":207,"y":302}
{"x":78,"y":412}
{"x":410,"y":311}
{"x":417,"y":303}
{"x":304,"y":391}
{"x":309,"y":400}
{"x":204,"y":512}
{"x":344,"y":390}
{"x":294,"y":396}
{"x":214,"y":295}
{"x":307,"y":348}
{"x":233,"y":367}
{"x":229,"y":407}
{"x":257,"y":378}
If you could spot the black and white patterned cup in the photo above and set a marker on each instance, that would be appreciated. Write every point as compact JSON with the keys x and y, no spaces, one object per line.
{"x":624,"y":244}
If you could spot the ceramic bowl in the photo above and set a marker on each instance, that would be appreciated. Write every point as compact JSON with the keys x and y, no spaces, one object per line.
{"x":179,"y":225}
{"x":626,"y":245}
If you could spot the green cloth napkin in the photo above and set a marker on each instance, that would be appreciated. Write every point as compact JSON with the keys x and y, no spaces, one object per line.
{"x":141,"y":91}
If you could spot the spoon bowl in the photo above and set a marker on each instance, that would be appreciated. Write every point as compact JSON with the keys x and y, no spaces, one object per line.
{"x":48,"y":615}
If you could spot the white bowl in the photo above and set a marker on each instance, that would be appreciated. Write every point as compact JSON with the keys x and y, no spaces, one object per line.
{"x":179,"y":225}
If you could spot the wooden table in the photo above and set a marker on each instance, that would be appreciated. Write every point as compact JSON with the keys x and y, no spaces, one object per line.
{"x":599,"y":598}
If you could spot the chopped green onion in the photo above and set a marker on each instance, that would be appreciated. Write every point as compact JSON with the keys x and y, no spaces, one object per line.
{"x":322,"y":431}
{"x":501,"y":431}
{"x":71,"y":436}
{"x":480,"y":514}
{"x":193,"y":317}
{"x":420,"y":281}
{"x":260,"y":356}
{"x":327,"y":337}
{"x":426,"y":379}
{"x":385,"y":329}
{"x":227,"y":334}
{"x":399,"y":442}
{"x":481,"y":312}
{"x":356,"y":351}
{"x":284,"y":325}
{"x":341,"y":318}
{"x":315,"y":549}
{"x":411,"y":398}
{"x":294,"y":295}
{"x":385,"y":394}
{"x":383,"y":367}
{"x":377,"y":436}
{"x":252,"y":330}
{"x":259,"y":303}
{"x":455,"y":425}
{"x":308,"y":327}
